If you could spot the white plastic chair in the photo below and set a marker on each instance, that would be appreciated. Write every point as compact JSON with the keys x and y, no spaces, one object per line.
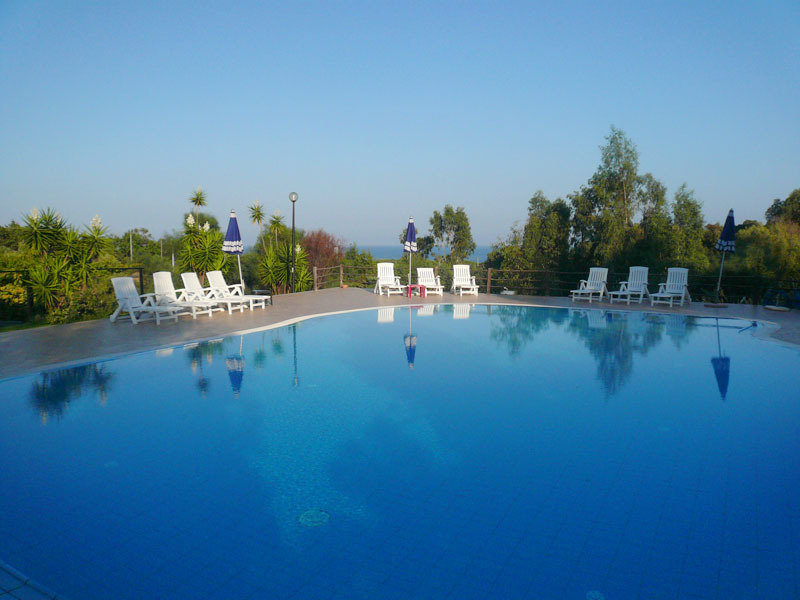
{"x":138,"y":307}
{"x":596,"y":284}
{"x":216,"y":281}
{"x":675,"y":288}
{"x":167,"y":295}
{"x":463,"y":281}
{"x":432,"y":283}
{"x":387,"y":282}
{"x":636,"y":284}
{"x":196,"y":291}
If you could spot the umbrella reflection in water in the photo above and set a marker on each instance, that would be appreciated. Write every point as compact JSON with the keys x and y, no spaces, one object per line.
{"x":410,"y":341}
{"x":235,"y":366}
{"x":722,"y":368}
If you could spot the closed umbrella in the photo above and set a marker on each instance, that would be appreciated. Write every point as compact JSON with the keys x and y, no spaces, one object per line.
{"x":725,"y":243}
{"x":233,"y":243}
{"x":722,"y":368}
{"x":410,"y":244}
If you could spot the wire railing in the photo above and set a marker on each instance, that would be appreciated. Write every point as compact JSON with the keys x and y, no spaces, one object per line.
{"x":745,"y":289}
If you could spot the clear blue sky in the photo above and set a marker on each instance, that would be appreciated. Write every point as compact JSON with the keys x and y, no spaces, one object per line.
{"x":375,"y":111}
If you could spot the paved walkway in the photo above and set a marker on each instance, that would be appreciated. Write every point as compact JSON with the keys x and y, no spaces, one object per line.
{"x":30,"y":350}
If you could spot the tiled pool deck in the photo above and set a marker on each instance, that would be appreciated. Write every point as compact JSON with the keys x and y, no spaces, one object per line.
{"x":31,"y":350}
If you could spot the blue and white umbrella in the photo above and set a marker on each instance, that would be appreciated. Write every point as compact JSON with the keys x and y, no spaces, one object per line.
{"x":410,"y":244}
{"x":233,"y":243}
{"x":725,"y":243}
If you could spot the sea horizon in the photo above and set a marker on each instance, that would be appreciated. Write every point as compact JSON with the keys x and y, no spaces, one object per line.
{"x":395,"y":251}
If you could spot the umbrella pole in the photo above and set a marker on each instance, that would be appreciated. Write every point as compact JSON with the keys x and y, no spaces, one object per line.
{"x":241,"y":280}
{"x":409,"y":270}
{"x":719,"y":281}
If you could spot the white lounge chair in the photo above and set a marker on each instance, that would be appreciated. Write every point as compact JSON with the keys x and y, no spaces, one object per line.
{"x":387,"y":282}
{"x":596,"y":284}
{"x":196,"y":291}
{"x":463,"y":281}
{"x":167,"y":295}
{"x":675,"y":288}
{"x":432,"y":283}
{"x":636,"y":284}
{"x":138,"y":307}
{"x":216,"y":281}
{"x":386,"y":315}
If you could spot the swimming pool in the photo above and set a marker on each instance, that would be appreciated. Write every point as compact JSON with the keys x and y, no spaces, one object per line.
{"x":453,"y":452}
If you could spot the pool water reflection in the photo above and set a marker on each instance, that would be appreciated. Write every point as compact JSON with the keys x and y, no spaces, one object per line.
{"x":529,"y":453}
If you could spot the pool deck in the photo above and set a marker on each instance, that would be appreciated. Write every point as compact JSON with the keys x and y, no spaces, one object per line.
{"x":31,"y":350}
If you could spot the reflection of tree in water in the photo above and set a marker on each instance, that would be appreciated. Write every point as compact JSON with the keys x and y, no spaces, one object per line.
{"x":614,"y":339}
{"x":515,"y":326}
{"x":52,"y":392}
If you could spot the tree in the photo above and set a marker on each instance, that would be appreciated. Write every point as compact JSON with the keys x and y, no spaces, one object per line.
{"x":788,"y":209}
{"x":276,"y":225}
{"x":257,"y":217}
{"x":654,"y":246}
{"x":687,"y":218}
{"x":451,"y":230}
{"x":324,"y":250}
{"x":545,"y":239}
{"x":198,"y":199}
{"x":201,"y":250}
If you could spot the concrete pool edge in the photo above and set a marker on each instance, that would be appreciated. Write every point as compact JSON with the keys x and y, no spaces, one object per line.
{"x":766,"y":330}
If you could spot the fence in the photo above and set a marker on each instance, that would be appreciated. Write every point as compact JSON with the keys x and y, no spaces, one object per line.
{"x":14,"y":308}
{"x":749,"y":289}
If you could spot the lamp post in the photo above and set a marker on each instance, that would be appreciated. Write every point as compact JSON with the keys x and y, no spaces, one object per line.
{"x":293,"y":197}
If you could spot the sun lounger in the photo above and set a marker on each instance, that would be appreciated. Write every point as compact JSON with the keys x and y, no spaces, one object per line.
{"x":167,"y":295}
{"x":195,"y":290}
{"x":138,"y":307}
{"x":387,"y":282}
{"x":596,"y":284}
{"x":216,"y":281}
{"x":636,"y":284}
{"x":463,"y":282}
{"x":432,"y":283}
{"x":676,"y":288}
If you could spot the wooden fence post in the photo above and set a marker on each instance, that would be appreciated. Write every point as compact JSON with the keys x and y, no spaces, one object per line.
{"x":341,"y":275}
{"x":489,"y":280}
{"x":141,"y":281}
{"x":314,"y":271}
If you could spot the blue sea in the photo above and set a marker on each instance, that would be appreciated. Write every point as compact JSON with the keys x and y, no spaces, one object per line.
{"x":395,"y":251}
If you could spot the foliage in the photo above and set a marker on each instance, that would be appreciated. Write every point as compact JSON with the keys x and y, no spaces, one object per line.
{"x":201,"y":249}
{"x":274,"y":269}
{"x":197,"y":199}
{"x":323,"y":249}
{"x":788,"y":209}
{"x":451,"y":232}
{"x":61,"y":265}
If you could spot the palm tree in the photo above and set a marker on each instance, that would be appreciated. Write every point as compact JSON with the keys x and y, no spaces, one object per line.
{"x":198,"y":199}
{"x":275,"y":225}
{"x":257,"y":216}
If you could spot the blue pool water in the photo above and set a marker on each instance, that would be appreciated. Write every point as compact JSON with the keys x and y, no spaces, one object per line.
{"x":529,"y":453}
